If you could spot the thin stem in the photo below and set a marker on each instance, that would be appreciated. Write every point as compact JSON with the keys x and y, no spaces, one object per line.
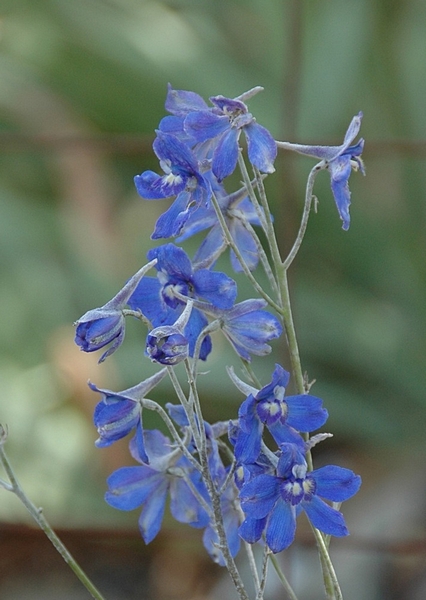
{"x":307,"y":208}
{"x":38,"y":516}
{"x":151,"y":405}
{"x":253,"y":567}
{"x":264,"y":574}
{"x":239,"y":256}
{"x":290,"y":592}
{"x":329,"y":574}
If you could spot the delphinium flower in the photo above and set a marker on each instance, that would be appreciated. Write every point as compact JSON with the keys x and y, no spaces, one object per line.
{"x":237,"y":210}
{"x":160,"y":299}
{"x":271,"y":503}
{"x":248,"y":327}
{"x":182,"y":178}
{"x":222,"y":125}
{"x":284,"y":416}
{"x":148,"y":486}
{"x":118,"y":413}
{"x":339,"y":160}
{"x":100,"y":326}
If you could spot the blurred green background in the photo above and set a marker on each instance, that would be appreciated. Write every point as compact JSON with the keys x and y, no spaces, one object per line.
{"x":82,"y":88}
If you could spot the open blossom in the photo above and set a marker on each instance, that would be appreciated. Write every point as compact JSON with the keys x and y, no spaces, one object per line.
{"x":223,"y":124}
{"x":182,"y":178}
{"x":249,"y":328}
{"x":148,"y":486}
{"x":284,"y":417}
{"x":339,"y":160}
{"x":271,"y":503}
{"x":160,"y":298}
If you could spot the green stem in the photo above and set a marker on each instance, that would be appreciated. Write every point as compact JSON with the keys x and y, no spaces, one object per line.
{"x":290,"y":592}
{"x":41,"y":521}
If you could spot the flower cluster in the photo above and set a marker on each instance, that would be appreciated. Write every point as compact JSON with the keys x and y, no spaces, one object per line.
{"x":253,"y":485}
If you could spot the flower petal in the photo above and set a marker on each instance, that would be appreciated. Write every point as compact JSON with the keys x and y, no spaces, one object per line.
{"x":281,"y":526}
{"x":336,"y":483}
{"x":324,"y":517}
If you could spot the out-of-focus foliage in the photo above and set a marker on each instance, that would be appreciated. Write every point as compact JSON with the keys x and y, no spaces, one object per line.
{"x":72,"y":229}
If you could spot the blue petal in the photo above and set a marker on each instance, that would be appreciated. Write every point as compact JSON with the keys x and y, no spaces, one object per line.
{"x":340,"y":170}
{"x":168,"y":147}
{"x":205,"y":125}
{"x":251,"y":529}
{"x":261,"y":147}
{"x":225,"y":156}
{"x":172,"y":260}
{"x":184,"y":506}
{"x":129,"y":487}
{"x":305,"y":412}
{"x":180,"y":102}
{"x":259,"y":495}
{"x":151,"y":186}
{"x":282,"y":433}
{"x":210,"y":249}
{"x":152,"y":513}
{"x":197,"y":322}
{"x":170,"y":223}
{"x":246,"y":245}
{"x":217,"y":288}
{"x":281,"y":526}
{"x":336,"y":483}
{"x":324,"y":517}
{"x":147,"y":299}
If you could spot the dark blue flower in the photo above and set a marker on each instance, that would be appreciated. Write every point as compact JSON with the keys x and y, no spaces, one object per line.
{"x":118,"y":413}
{"x":181,"y":179}
{"x":284,"y":416}
{"x":223,"y":124}
{"x":160,"y":299}
{"x":271,"y":503}
{"x":339,"y":160}
{"x":149,"y":487}
{"x":100,"y":326}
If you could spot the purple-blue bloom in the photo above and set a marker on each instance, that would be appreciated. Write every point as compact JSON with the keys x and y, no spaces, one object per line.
{"x":237,"y":210}
{"x":181,"y":178}
{"x":283,"y":416}
{"x":149,"y":486}
{"x":272,"y":503}
{"x":118,"y":413}
{"x":249,"y":328}
{"x":223,"y":124}
{"x":159,"y":298}
{"x":339,"y":160}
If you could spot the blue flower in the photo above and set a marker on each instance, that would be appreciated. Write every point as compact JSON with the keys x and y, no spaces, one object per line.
{"x":339,"y":160}
{"x":160,"y":299}
{"x":283,"y":416}
{"x":149,"y":486}
{"x":100,"y":326}
{"x":118,"y":413}
{"x":181,"y":179}
{"x":271,"y":503}
{"x":249,"y":328}
{"x":237,"y":210}
{"x":223,"y":125}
